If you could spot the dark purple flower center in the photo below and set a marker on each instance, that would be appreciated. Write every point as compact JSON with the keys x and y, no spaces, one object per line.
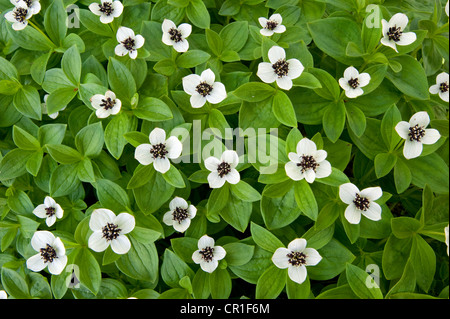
{"x":416,"y":133}
{"x":204,"y":89}
{"x":111,"y":231}
{"x":296,"y":258}
{"x":48,"y":253}
{"x":394,"y":33}
{"x":307,"y":162}
{"x":281,"y":67}
{"x":361,"y":203}
{"x":179,"y":214}
{"x":207,"y":253}
{"x":175,"y":35}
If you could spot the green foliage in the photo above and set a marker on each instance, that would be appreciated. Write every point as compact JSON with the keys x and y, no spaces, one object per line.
{"x":54,"y":143}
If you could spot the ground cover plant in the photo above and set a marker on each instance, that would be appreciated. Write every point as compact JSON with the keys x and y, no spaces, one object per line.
{"x":224,"y":149}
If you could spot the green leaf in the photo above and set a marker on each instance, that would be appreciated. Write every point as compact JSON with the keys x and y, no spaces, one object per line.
{"x":411,"y":79}
{"x":89,"y":140}
{"x":238,"y":254}
{"x":245,"y":192}
{"x":28,"y":102}
{"x":254,"y":91}
{"x":298,"y":291}
{"x":356,"y":119}
{"x":215,"y":42}
{"x":25,"y":140}
{"x":404,"y":227}
{"x":64,"y":180}
{"x":14,"y":284}
{"x":402,"y":176}
{"x":332,"y":34}
{"x":112,"y":196}
{"x":198,"y":14}
{"x":13,"y":163}
{"x":271,"y":283}
{"x":51,"y":133}
{"x":71,"y":64}
{"x":192,"y":58}
{"x":173,"y":269}
{"x":283,"y":110}
{"x":55,"y":21}
{"x":60,"y":98}
{"x":384,"y":163}
{"x":436,"y":178}
{"x":423,"y":259}
{"x":390,"y":119}
{"x":220,"y":284}
{"x":63,"y":154}
{"x":93,"y":24}
{"x":89,"y":269}
{"x":264,"y":238}
{"x":30,"y":39}
{"x":334,"y":121}
{"x":234,"y":35}
{"x":305,"y":199}
{"x":114,"y":133}
{"x":357,"y":279}
{"x":121,"y":80}
{"x":174,"y":177}
{"x":280,"y":211}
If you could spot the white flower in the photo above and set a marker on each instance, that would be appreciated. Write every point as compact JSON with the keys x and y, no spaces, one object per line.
{"x":45,"y":111}
{"x":51,"y":253}
{"x":174,"y":36}
{"x":446,"y":9}
{"x":33,"y":5}
{"x":360,"y":202}
{"x":223,"y":169}
{"x":441,"y":86}
{"x":271,"y":25}
{"x":3,"y":294}
{"x":308,"y":163}
{"x":296,"y":258}
{"x":128,"y":42}
{"x":50,"y":210}
{"x":19,"y":15}
{"x":107,"y":10}
{"x":446,"y":234}
{"x":109,"y":229}
{"x":180,"y":214}
{"x":207,"y":254}
{"x":159,"y":150}
{"x":393,"y":34}
{"x":352,"y":82}
{"x":106,"y":105}
{"x":279,"y":69}
{"x":203,"y":88}
{"x":415,"y":134}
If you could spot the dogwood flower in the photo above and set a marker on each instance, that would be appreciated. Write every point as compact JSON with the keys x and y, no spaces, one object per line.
{"x":107,"y":10}
{"x":296,"y":258}
{"x":360,"y":202}
{"x":19,"y":15}
{"x":308,"y":163}
{"x":352,"y":82}
{"x":50,"y":210}
{"x":446,"y":8}
{"x":203,"y":88}
{"x":159,"y":151}
{"x":109,"y":229}
{"x":208,"y":255}
{"x":446,"y":237}
{"x":176,"y":36}
{"x":271,"y":25}
{"x":106,"y":105}
{"x":393,"y":34}
{"x":51,"y":253}
{"x":3,"y":294}
{"x":33,"y":5}
{"x":416,"y":134}
{"x":180,"y":214}
{"x":129,"y":43}
{"x":279,"y":69}
{"x":441,"y":86}
{"x":223,"y":169}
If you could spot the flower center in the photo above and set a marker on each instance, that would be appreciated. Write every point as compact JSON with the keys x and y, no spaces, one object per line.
{"x":296,"y":258}
{"x":204,"y":89}
{"x":28,"y":2}
{"x":175,"y":35}
{"x":394,"y":33}
{"x":20,"y":14}
{"x":180,"y":214}
{"x":159,"y":150}
{"x":111,"y":231}
{"x":128,"y":43}
{"x":271,"y":25}
{"x":223,"y":169}
{"x":416,"y":133}
{"x":443,"y":87}
{"x":281,"y":68}
{"x":308,"y":162}
{"x":50,"y":211}
{"x":108,"y":103}
{"x":361,"y":203}
{"x":48,"y":253}
{"x":354,"y":83}
{"x":207,"y":253}
{"x":106,"y":8}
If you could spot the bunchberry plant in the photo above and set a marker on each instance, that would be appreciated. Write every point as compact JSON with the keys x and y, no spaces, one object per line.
{"x":227,"y":149}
